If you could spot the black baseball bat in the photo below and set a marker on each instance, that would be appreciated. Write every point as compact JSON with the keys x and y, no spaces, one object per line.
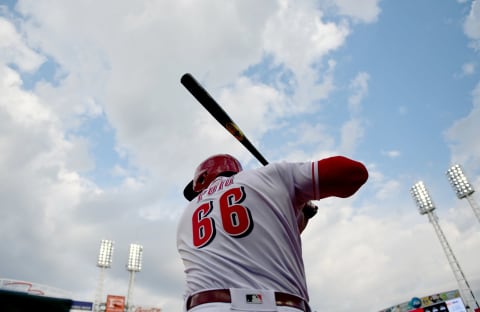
{"x":209,"y":103}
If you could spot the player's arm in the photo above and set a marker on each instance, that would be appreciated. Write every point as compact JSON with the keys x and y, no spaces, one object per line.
{"x":340,"y":177}
{"x":334,"y":176}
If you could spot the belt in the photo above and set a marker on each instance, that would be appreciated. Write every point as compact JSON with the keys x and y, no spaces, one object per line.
{"x":223,"y":295}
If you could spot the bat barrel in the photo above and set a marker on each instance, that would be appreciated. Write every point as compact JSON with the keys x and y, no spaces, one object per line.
{"x":209,"y":103}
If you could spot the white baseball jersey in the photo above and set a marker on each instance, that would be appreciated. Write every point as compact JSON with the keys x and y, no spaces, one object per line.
{"x":242,"y":232}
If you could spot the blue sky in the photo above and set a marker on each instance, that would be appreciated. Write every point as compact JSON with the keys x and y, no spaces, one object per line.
{"x":98,"y":137}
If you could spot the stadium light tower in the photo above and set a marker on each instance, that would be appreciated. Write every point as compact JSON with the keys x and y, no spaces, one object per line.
{"x":462,"y":188}
{"x":104,"y":261}
{"x":426,"y":206}
{"x":134,"y":265}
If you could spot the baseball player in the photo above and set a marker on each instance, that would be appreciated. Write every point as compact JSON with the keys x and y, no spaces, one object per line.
{"x":239,"y":237}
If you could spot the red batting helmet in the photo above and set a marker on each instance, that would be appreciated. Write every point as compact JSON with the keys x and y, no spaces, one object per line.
{"x":208,"y":170}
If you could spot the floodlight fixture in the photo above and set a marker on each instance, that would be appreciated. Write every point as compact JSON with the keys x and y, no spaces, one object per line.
{"x":422,"y":198}
{"x":459,"y":182}
{"x":105,"y":254}
{"x":463,"y":188}
{"x":135,"y":258}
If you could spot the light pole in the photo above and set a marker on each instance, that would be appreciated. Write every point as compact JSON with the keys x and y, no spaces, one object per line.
{"x":134,"y":265}
{"x":426,"y":206}
{"x":462,"y":188}
{"x":104,"y":261}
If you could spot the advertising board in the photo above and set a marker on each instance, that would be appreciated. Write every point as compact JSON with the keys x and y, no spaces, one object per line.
{"x":448,"y":301}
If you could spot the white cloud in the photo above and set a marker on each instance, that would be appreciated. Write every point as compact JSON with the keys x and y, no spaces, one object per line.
{"x":351,"y":133}
{"x":391,"y":153}
{"x":364,"y":11}
{"x":468,"y":69}
{"x":297,"y":37}
{"x":22,"y":107}
{"x":472,"y":22}
{"x":40,"y":185}
{"x":256,"y":107}
{"x":14,"y":50}
{"x":461,"y":135}
{"x":303,"y":29}
{"x":388,"y":188}
{"x":304,"y":141}
{"x":359,"y":85}
{"x":353,"y":130}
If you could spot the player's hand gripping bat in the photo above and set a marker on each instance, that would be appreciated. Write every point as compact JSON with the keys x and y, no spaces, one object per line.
{"x":209,"y":103}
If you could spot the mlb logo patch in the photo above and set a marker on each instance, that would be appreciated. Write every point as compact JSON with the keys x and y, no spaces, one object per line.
{"x":254,"y":298}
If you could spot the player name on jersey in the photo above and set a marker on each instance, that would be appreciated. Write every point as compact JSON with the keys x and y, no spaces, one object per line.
{"x":215,"y":187}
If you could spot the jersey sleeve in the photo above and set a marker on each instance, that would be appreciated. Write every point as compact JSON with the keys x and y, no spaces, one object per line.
{"x":336,"y":176}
